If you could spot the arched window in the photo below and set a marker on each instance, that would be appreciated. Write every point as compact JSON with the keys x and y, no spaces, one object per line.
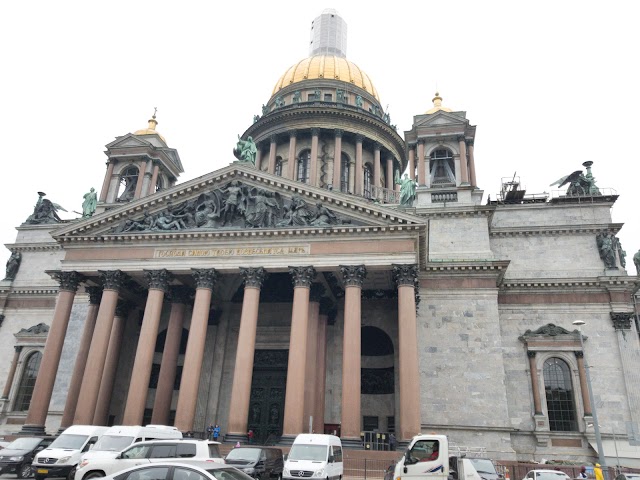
{"x":27,"y":382}
{"x":278,"y":166}
{"x":304,"y":159}
{"x":344,"y":173}
{"x":442,"y":168}
{"x":367,"y":181}
{"x":559,"y":393}
{"x":128,"y":179}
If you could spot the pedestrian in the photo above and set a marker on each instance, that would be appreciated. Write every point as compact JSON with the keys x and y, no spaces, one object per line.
{"x":250,"y":436}
{"x":583,"y":472}
{"x":216,"y":432}
{"x":210,"y":431}
{"x":237,"y":444}
{"x":392,"y":441}
{"x":598,"y":472}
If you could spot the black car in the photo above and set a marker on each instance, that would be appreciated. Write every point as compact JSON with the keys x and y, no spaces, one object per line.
{"x":261,"y":463}
{"x":18,"y":455}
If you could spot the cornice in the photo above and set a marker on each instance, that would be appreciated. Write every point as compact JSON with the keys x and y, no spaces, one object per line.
{"x":485,"y":211}
{"x":591,"y":229}
{"x":34,"y":291}
{"x":597,"y":283}
{"x":248,"y":233}
{"x":32,"y":247}
{"x":494,"y":268}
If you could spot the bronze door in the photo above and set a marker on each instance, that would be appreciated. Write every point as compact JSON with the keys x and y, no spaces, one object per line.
{"x":266,"y":406}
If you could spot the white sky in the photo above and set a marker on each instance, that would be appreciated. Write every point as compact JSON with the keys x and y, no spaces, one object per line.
{"x":549,"y":84}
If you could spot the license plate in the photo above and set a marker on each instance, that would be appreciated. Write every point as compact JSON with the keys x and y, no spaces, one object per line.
{"x":43,"y":471}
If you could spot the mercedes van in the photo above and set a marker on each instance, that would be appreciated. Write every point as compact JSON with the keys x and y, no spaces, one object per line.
{"x":119,"y":437}
{"x":61,"y":458}
{"x":314,"y":455}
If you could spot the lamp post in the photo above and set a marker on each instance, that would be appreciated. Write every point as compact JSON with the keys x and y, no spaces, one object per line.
{"x":596,"y":427}
{"x":615,"y":444}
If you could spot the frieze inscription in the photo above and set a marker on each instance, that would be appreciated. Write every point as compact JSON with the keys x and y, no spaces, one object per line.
{"x":231,"y":252}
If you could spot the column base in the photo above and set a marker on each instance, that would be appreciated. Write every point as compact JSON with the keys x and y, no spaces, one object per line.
{"x":32,"y":430}
{"x":352,"y":443}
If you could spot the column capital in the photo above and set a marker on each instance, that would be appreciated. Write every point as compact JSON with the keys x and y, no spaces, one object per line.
{"x":316,"y":292}
{"x":302,"y":276}
{"x":461,"y":138}
{"x":338,"y":132}
{"x":359,"y":138}
{"x":273,"y":138}
{"x":205,"y":277}
{"x":420,"y":141}
{"x":293,"y":133}
{"x":377,"y":145}
{"x":315,"y":132}
{"x":68,"y":281}
{"x":17,"y":348}
{"x":405,"y":274}
{"x":353,"y":275}
{"x":158,"y":279}
{"x":123,"y":307}
{"x":253,"y":276}
{"x":180,"y":294}
{"x":531,"y":354}
{"x":621,"y":320}
{"x":579,"y":354}
{"x":112,"y":279}
{"x":95,"y":294}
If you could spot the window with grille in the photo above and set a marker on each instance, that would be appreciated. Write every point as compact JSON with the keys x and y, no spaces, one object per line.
{"x":344,"y":174}
{"x":27,"y":382}
{"x":303,"y":166}
{"x":367,"y":181}
{"x":278,"y":166}
{"x":559,"y":392}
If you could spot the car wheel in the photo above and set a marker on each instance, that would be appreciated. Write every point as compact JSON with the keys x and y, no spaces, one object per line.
{"x":24,"y":471}
{"x":72,"y":474}
{"x":93,"y":475}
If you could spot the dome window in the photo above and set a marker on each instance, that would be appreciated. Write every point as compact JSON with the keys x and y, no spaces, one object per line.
{"x":304,"y":159}
{"x":344,"y":173}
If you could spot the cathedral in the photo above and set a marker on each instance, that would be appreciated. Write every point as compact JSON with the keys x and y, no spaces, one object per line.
{"x":337,"y":276}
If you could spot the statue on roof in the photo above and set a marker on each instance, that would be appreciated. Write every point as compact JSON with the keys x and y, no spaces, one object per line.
{"x":246,"y":150}
{"x":44,"y":212}
{"x":579,"y":184}
{"x":636,"y":262}
{"x":90,"y":202}
{"x":13,"y":264}
{"x":407,"y":189}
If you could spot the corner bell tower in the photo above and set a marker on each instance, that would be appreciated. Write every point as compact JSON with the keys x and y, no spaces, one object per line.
{"x":441,"y":160}
{"x":139,"y":164}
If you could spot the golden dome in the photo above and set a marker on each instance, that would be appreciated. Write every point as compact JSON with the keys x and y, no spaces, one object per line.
{"x":329,"y":67}
{"x":151,"y":129}
{"x":437,"y":105}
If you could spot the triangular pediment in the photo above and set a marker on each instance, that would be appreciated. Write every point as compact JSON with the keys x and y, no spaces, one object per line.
{"x":440,"y":118}
{"x":127,"y":141}
{"x":238,"y":198}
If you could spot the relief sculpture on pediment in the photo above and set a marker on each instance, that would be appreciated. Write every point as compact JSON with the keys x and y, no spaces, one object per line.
{"x":235,"y":205}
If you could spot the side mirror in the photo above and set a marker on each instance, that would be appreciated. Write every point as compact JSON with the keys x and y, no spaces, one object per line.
{"x":408,"y":459}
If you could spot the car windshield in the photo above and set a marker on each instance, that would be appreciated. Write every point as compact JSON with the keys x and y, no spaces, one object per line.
{"x":551,"y":475}
{"x":228,"y":474}
{"x":73,"y":442}
{"x":24,"y":444}
{"x":308,"y":452}
{"x":250,"y":454}
{"x":112,"y":443}
{"x":483,"y":465}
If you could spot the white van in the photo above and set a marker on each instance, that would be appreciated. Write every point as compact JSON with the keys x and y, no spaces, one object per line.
{"x":60,"y":459}
{"x":314,"y":455}
{"x":119,"y":437}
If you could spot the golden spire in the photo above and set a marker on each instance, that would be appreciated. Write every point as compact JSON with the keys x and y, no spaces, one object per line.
{"x":153,"y":123}
{"x":437,"y":104}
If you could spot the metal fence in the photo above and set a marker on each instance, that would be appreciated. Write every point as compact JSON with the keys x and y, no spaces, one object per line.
{"x":365,"y":468}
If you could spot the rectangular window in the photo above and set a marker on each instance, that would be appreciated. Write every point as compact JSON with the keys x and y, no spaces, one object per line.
{"x":391,"y":424}
{"x":328,"y":97}
{"x":370,"y":423}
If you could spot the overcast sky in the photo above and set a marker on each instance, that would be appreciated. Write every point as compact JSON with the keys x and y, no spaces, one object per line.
{"x":549,"y":84}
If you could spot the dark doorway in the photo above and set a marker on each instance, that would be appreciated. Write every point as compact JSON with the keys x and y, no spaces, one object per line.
{"x":266,"y":406}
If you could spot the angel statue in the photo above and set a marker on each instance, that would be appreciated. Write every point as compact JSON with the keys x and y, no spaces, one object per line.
{"x":246,"y":150}
{"x":45,"y":211}
{"x":579,"y":184}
